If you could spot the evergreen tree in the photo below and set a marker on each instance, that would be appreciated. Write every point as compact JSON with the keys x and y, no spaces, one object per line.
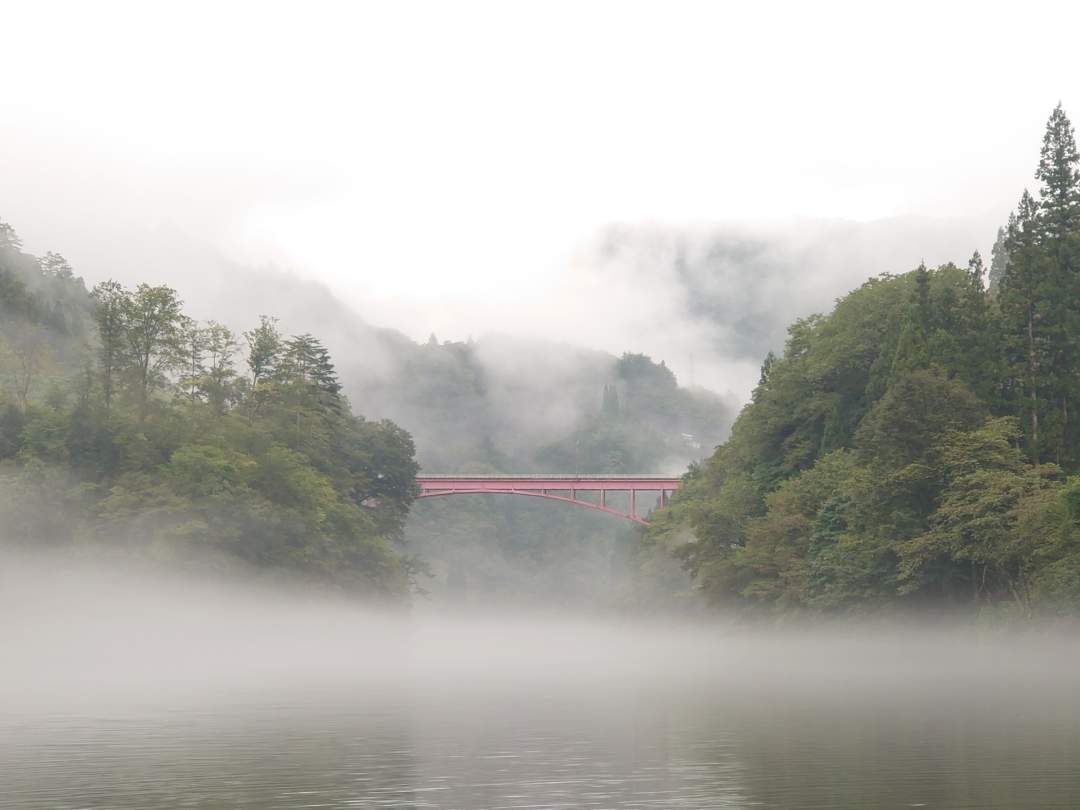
{"x":1059,"y":210}
{"x":1024,"y":296}
{"x":976,"y":274}
{"x":53,"y":265}
{"x":306,"y":360}
{"x":1059,"y":218}
{"x":999,"y":255}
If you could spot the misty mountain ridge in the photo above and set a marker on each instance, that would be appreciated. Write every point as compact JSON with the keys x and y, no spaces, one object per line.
{"x":506,"y":403}
{"x":730,"y":290}
{"x":493,"y":400}
{"x":713,"y":298}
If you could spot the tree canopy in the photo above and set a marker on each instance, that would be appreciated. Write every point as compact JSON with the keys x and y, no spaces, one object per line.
{"x":917,"y":445}
{"x":125,"y":423}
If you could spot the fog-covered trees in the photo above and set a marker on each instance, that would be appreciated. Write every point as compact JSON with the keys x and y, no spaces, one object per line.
{"x":914,"y":446}
{"x":145,"y":435}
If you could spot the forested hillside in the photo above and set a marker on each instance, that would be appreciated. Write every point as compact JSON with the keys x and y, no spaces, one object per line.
{"x":916,"y":447}
{"x":127,"y":427}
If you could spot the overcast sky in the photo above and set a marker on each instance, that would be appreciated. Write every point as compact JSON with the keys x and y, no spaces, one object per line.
{"x":442,"y":165}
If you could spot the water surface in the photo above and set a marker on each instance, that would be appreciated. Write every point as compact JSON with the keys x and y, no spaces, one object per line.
{"x":205,"y":700}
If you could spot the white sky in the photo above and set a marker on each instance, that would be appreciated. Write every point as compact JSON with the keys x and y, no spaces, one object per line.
{"x":438,"y":163}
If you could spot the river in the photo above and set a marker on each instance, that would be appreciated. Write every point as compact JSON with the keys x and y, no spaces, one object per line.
{"x":177,"y":695}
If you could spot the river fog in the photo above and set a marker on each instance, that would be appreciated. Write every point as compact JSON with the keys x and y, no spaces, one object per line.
{"x":124,"y":688}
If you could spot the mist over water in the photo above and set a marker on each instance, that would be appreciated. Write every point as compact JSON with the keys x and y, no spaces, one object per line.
{"x":126,"y":687}
{"x":262,"y":268}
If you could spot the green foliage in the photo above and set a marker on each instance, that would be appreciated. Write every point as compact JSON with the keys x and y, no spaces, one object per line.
{"x":911,"y":447}
{"x":152,"y":441}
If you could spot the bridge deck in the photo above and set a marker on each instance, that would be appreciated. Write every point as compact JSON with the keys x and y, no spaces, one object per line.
{"x":504,"y":483}
{"x":551,"y":485}
{"x":549,"y":476}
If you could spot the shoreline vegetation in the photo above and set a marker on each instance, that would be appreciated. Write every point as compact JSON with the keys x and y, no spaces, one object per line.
{"x":127,"y":424}
{"x":917,"y":449}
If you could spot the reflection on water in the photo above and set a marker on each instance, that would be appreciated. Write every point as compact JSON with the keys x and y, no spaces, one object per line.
{"x":648,"y":748}
{"x":190,"y":697}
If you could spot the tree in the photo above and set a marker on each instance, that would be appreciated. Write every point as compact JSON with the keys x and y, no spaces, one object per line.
{"x":110,"y":314}
{"x":25,"y":354}
{"x":1059,"y":194}
{"x":53,"y":265}
{"x":1059,"y":218}
{"x":152,"y":320}
{"x":767,"y":366}
{"x":976,"y":274}
{"x":975,"y":523}
{"x":8,"y":238}
{"x":307,"y":381}
{"x":264,"y":348}
{"x":912,"y":347}
{"x":329,"y":500}
{"x":218,"y":382}
{"x":1024,"y":295}
{"x":999,"y":255}
{"x":191,"y":344}
{"x":306,"y":361}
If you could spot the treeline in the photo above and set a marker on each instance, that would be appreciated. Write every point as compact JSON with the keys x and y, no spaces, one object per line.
{"x":916,"y":448}
{"x":123,"y":422}
{"x":39,"y":291}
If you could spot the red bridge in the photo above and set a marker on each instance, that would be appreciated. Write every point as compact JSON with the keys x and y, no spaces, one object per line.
{"x":590,"y":491}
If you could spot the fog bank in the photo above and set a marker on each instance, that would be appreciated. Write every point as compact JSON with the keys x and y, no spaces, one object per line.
{"x":79,"y":631}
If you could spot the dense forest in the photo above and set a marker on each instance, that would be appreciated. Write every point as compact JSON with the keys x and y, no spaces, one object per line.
{"x":919,"y":446}
{"x":125,"y":425}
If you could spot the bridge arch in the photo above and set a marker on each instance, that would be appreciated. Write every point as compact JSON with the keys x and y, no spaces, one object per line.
{"x":564,"y":488}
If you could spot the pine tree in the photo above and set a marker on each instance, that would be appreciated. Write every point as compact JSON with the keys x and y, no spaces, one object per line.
{"x":975,"y":331}
{"x":1059,"y":218}
{"x":1059,"y":209}
{"x":1023,"y":298}
{"x":999,"y":255}
{"x":53,"y":265}
{"x":912,"y":346}
{"x":976,"y":272}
